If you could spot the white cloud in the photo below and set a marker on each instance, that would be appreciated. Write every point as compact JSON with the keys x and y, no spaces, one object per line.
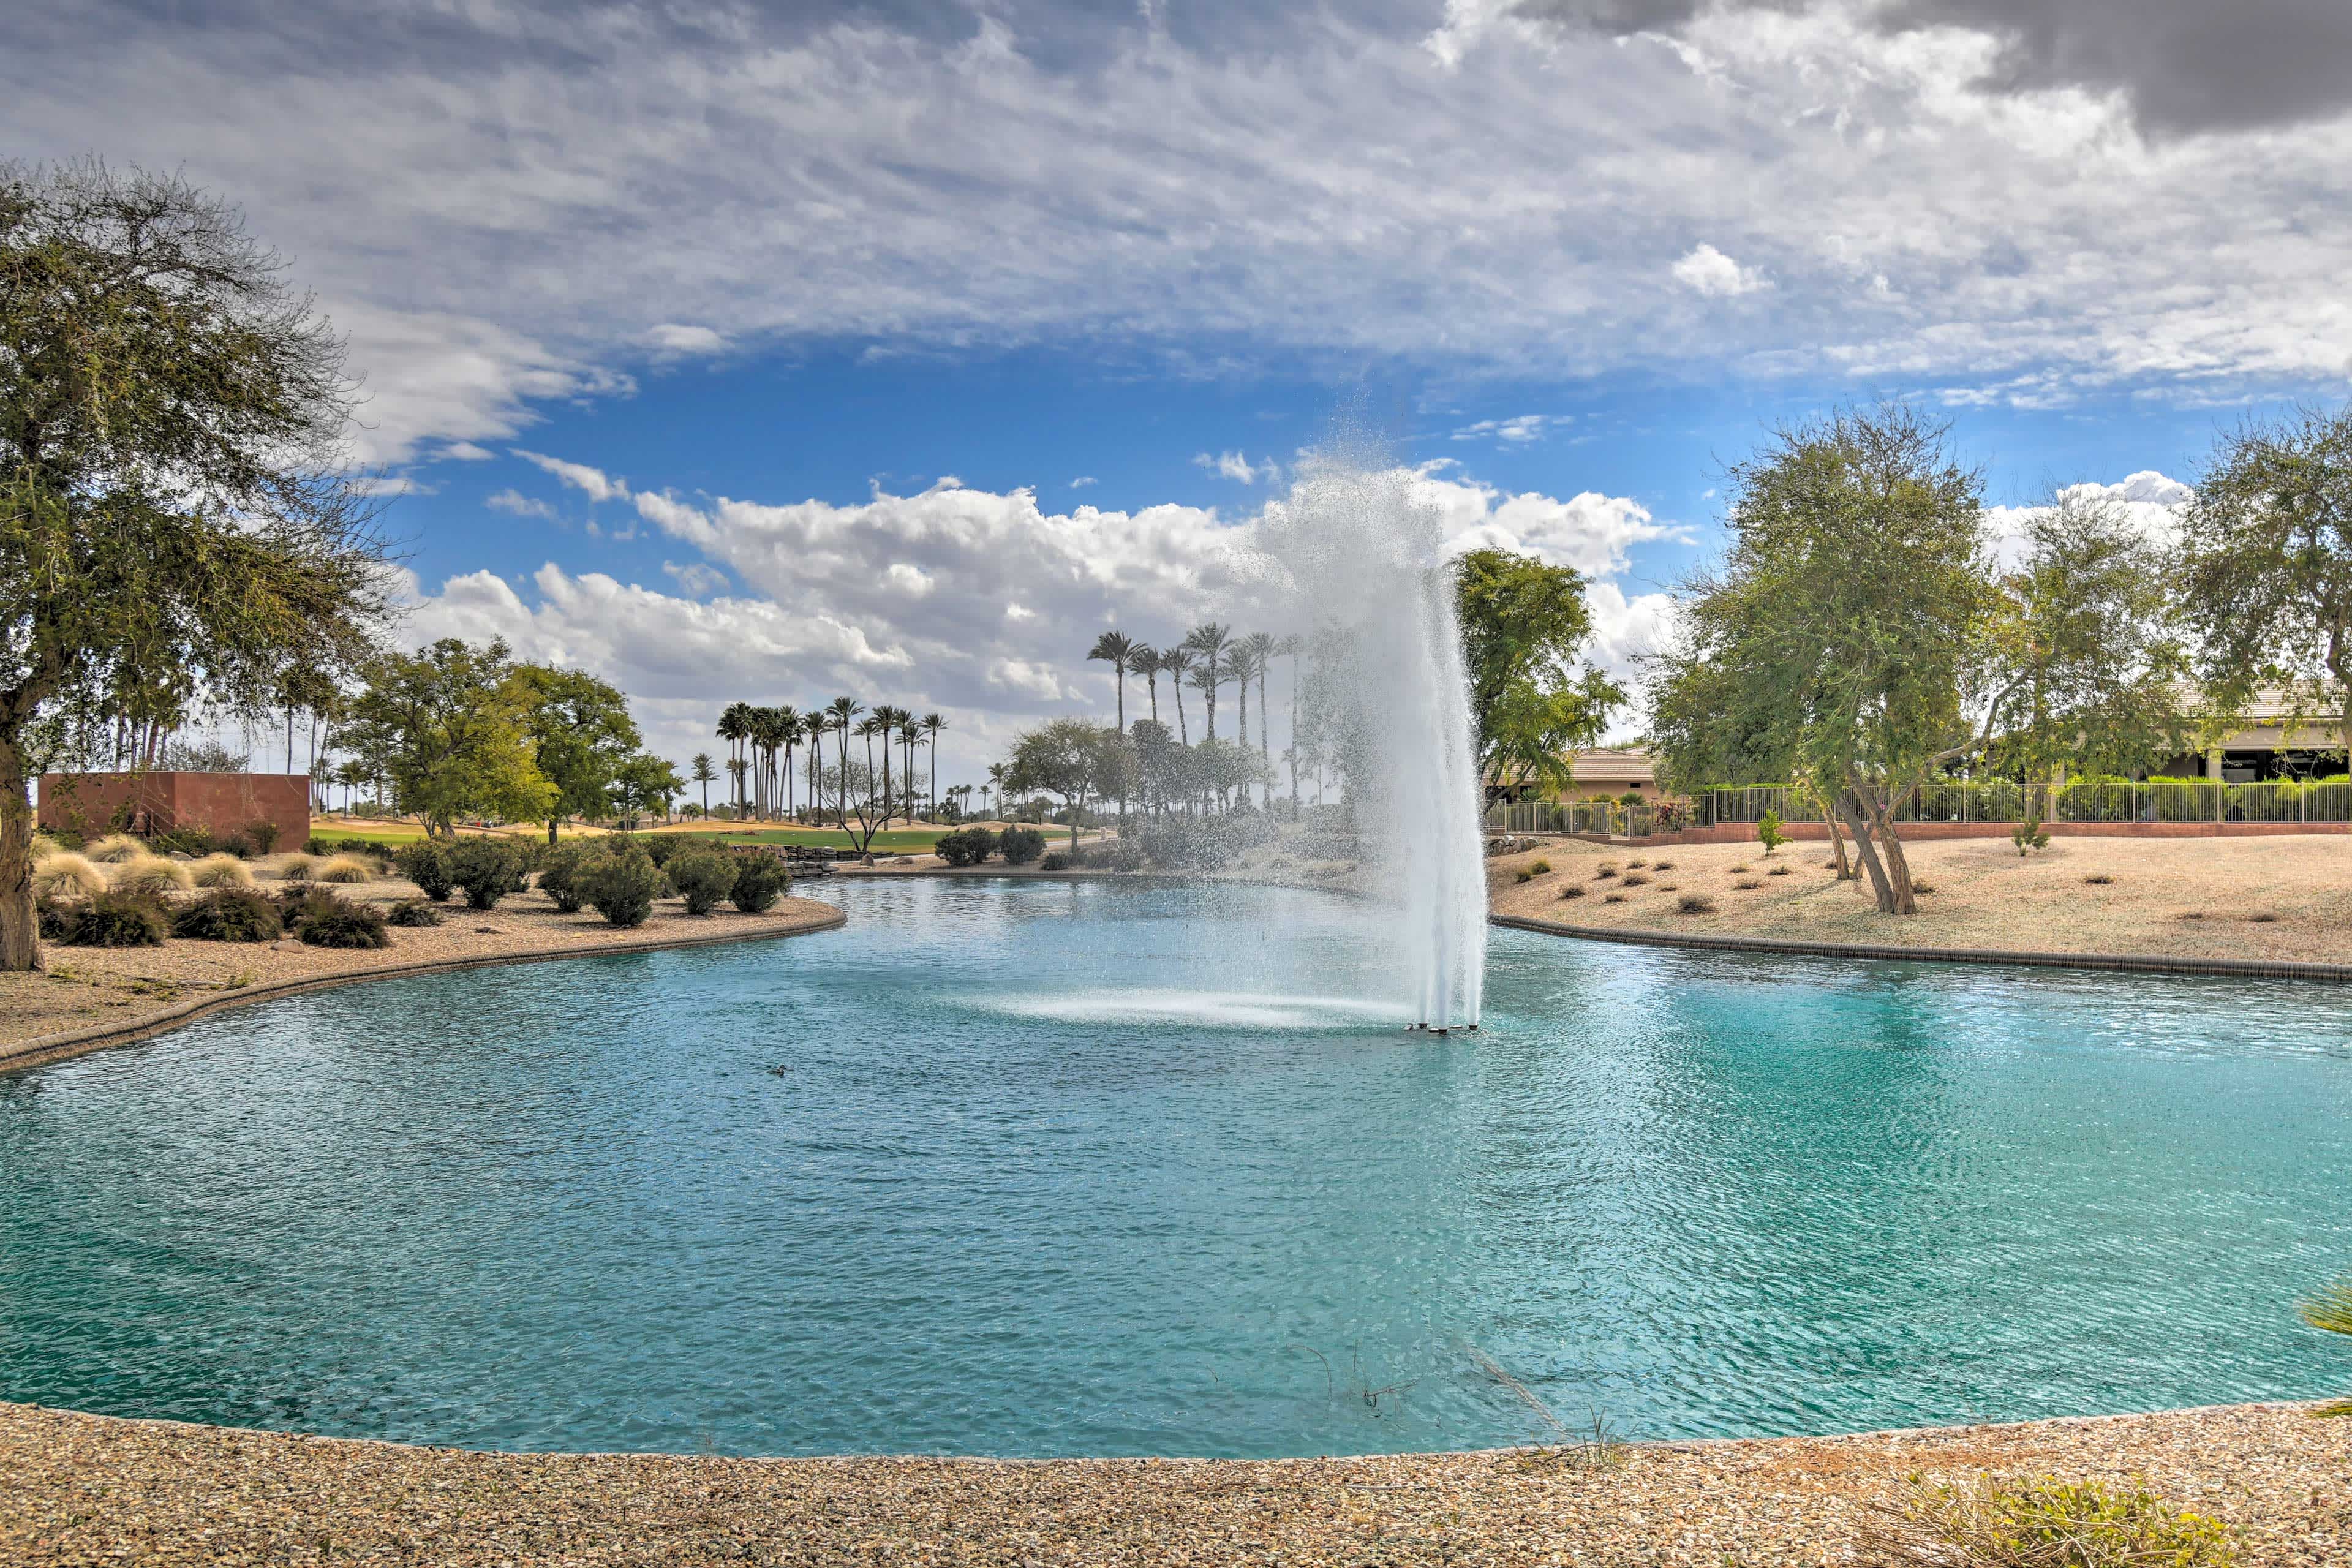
{"x":1235,"y":466}
{"x":463,"y":452}
{"x":671,"y":338}
{"x":1517,"y":431}
{"x":594,"y":483}
{"x":516,"y":503}
{"x":1083,"y":480}
{"x":695,"y":579}
{"x":2150,"y":501}
{"x":1589,"y":531}
{"x":1708,"y":271}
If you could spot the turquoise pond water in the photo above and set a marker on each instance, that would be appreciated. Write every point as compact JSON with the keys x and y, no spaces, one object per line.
{"x":1029,"y":1169}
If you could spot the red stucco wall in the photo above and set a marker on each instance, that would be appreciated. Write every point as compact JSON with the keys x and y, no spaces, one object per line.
{"x":87,"y":803}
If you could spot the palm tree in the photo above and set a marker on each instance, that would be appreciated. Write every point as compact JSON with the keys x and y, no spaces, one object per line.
{"x":1145,"y":661}
{"x":1292,"y":646}
{"x":887,"y":721}
{"x":1176,"y":663}
{"x":734,"y":724}
{"x":814,"y":723}
{"x":703,"y":773}
{"x":735,"y":766}
{"x":1238,"y":666}
{"x":996,"y":788}
{"x":1261,"y":647}
{"x":844,"y":710}
{"x":931,"y":724}
{"x":1210,"y":640}
{"x":786,"y":736}
{"x":1117,"y":648}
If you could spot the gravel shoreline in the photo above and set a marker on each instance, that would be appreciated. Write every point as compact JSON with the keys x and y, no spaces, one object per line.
{"x":77,"y":1488}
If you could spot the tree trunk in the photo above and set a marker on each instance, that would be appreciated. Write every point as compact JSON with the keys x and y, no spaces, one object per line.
{"x":1881,"y":850}
{"x":1846,"y":870}
{"x":20,"y":930}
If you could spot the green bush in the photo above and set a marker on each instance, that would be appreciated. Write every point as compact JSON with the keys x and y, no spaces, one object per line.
{"x":558,"y":879}
{"x":411,"y":912}
{"x":1767,"y":831}
{"x":2030,"y":1523}
{"x":55,"y":918}
{"x":760,"y":881}
{"x":235,"y":841}
{"x":969,"y":846}
{"x":115,"y":920}
{"x":188,"y":841}
{"x":328,"y":921}
{"x":1020,"y":845}
{"x":622,"y":885}
{"x":702,"y":878}
{"x":1057,"y":861}
{"x":426,"y":864}
{"x":483,"y":869}
{"x":263,"y":834}
{"x":229,"y":914}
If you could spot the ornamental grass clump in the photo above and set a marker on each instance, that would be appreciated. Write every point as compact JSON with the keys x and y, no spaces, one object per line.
{"x":702,"y":878}
{"x":114,"y":847}
{"x":347,"y":868}
{"x":291,"y":867}
{"x":229,"y":914}
{"x":760,"y":881}
{"x":220,"y":871}
{"x":2040,"y":1523}
{"x":151,"y":875}
{"x":65,"y":876}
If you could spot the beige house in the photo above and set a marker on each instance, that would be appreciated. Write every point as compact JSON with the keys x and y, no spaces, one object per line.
{"x":2283,"y":740}
{"x":1611,"y":771}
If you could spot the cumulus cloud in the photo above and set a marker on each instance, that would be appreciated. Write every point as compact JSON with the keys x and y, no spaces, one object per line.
{"x":594,"y":483}
{"x":695,"y":579}
{"x":1035,"y":172}
{"x":1589,"y":531}
{"x":2151,"y":500}
{"x":1707,"y":271}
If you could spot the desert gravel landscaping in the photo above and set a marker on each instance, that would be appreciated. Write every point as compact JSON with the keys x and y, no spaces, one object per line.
{"x":2286,"y":898}
{"x":90,"y":1490}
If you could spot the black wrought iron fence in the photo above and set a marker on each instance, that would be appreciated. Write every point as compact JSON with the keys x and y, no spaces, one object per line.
{"x":2084,"y":800}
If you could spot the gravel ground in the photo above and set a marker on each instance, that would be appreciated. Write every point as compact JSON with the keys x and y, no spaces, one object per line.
{"x":90,"y":1490}
{"x":96,"y":988}
{"x":2185,"y":898}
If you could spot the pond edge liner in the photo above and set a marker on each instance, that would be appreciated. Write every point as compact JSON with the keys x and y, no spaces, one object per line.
{"x":2239,"y":968}
{"x":46,"y":1048}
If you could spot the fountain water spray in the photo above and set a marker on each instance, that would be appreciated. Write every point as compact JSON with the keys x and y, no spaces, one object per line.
{"x":1392,"y":696}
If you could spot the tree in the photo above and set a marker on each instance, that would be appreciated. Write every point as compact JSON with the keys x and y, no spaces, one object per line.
{"x":1208,"y":640}
{"x":1834,"y":642}
{"x":1147,"y":662}
{"x":1072,"y":758}
{"x":931,"y":724}
{"x":1291,"y":647}
{"x":814,"y":725}
{"x":642,"y":782}
{"x":447,"y":725}
{"x":1176,"y":663}
{"x":2080,"y":668}
{"x":1240,"y":666}
{"x":1119,"y":650}
{"x":579,"y":733}
{"x":702,"y":774}
{"x":734,"y":726}
{"x":841,"y":711}
{"x":1524,"y":624}
{"x":1260,"y":647}
{"x":175,"y":512}
{"x":890,"y":723}
{"x":2265,"y":563}
{"x":996,"y":772}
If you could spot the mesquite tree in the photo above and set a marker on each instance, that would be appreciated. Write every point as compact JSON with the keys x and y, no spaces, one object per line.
{"x":1834,"y":642}
{"x":175,"y":500}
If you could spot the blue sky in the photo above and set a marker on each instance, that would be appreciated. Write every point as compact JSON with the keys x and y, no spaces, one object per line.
{"x":677,"y":321}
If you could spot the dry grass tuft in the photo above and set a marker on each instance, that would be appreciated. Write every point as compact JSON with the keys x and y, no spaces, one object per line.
{"x":1612,"y":898}
{"x":67,"y":875}
{"x":152,"y":874}
{"x":114,"y":847}
{"x":1922,"y":886}
{"x":1664,"y":866}
{"x":1747,"y":884}
{"x":2040,"y":1523}
{"x":1635,"y":880}
{"x":1665,"y":887}
{"x":1778,"y":871}
{"x":1695,"y":904}
{"x":2260,"y":917}
{"x":2190,"y":915}
{"x":2098,"y":879}
{"x":220,"y":871}
{"x":1573,"y":890}
{"x":1737,"y":869}
{"x":1606,"y":871}
{"x":294,"y":866}
{"x":44,"y":846}
{"x":1635,"y":864}
{"x":346,"y":868}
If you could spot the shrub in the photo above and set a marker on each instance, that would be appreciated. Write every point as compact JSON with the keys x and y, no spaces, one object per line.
{"x":220,"y":871}
{"x":1633,"y":879}
{"x":1778,"y":871}
{"x":1767,"y":831}
{"x":115,"y":846}
{"x":426,"y":864}
{"x":968,"y":847}
{"x":235,"y":841}
{"x":64,"y":875}
{"x":1194,"y":843}
{"x":1543,"y":868}
{"x":54,"y":918}
{"x":483,"y":869}
{"x":2029,"y":835}
{"x":1057,"y":861}
{"x":1020,"y":845}
{"x":264,"y":835}
{"x":151,"y":875}
{"x":1695,"y":904}
{"x":760,"y":881}
{"x":1115,"y":855}
{"x":558,"y":879}
{"x":329,"y":922}
{"x":229,"y":914}
{"x":189,"y":841}
{"x":1573,"y":890}
{"x":2043,"y":1523}
{"x":347,"y":868}
{"x":293,"y":868}
{"x":411,"y":912}
{"x":702,"y":878}
{"x":620,"y":885}
{"x":116,"y":920}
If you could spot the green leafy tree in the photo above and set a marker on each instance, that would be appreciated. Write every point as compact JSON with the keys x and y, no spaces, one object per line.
{"x":1834,"y":643}
{"x":1524,"y":626}
{"x":2265,"y":565}
{"x":1072,"y":758}
{"x":449,"y":726}
{"x":175,"y":512}
{"x":643,"y":782}
{"x":579,"y":733}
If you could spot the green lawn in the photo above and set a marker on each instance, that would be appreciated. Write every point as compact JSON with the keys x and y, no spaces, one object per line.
{"x":898,"y":841}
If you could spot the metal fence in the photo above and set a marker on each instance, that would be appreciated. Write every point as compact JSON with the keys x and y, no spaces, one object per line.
{"x":1581,"y":817}
{"x":2085,"y":800}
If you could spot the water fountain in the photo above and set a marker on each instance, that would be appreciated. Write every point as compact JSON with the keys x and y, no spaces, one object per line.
{"x":1367,"y":561}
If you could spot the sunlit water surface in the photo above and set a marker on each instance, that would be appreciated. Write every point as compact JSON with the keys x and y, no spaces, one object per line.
{"x":1032,"y":1169}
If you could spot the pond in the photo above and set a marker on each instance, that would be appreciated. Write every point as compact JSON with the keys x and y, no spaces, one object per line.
{"x":1026,"y":1168}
